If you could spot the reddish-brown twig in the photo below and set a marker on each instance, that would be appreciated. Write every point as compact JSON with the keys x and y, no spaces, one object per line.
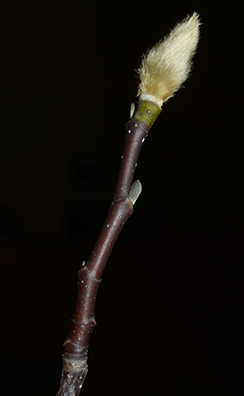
{"x":162,"y":72}
{"x":89,"y":276}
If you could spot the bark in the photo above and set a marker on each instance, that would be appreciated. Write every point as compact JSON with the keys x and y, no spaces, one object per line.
{"x":75,"y":348}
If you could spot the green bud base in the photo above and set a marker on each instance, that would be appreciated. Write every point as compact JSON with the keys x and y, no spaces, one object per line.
{"x":147,"y":112}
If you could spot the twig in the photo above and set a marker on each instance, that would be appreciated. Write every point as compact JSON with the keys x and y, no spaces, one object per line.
{"x":126,"y":193}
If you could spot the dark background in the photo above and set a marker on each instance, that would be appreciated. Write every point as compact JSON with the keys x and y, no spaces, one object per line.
{"x":170,"y":306}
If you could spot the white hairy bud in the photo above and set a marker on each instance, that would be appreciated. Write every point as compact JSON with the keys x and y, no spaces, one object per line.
{"x":167,"y":65}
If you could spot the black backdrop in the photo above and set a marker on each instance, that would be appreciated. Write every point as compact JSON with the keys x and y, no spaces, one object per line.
{"x":170,"y":306}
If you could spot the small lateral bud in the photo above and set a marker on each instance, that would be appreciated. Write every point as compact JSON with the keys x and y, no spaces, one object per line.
{"x":135,"y":191}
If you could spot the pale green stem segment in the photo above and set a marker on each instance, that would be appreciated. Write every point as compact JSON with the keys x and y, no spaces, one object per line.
{"x":147,"y":112}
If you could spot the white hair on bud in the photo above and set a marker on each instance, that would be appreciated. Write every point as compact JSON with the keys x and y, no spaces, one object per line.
{"x":167,"y":65}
